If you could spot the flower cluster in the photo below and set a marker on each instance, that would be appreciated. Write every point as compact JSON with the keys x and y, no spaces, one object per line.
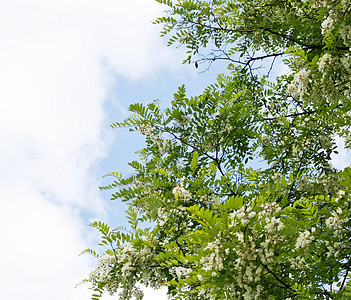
{"x":334,"y":248}
{"x":102,"y":273}
{"x":273,"y":224}
{"x":297,"y":262}
{"x":304,"y":239}
{"x":299,"y":84}
{"x":135,"y":292}
{"x":336,"y":221}
{"x":162,"y":214}
{"x":267,"y":209}
{"x":182,"y":272}
{"x":345,"y":33}
{"x":137,"y":184}
{"x":327,"y":24}
{"x":159,"y":141}
{"x":186,"y":37}
{"x":144,"y":129}
{"x":325,"y":62}
{"x":184,"y":121}
{"x":180,"y":192}
{"x":214,"y":260}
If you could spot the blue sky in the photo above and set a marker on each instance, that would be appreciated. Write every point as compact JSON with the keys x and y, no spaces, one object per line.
{"x":69,"y":68}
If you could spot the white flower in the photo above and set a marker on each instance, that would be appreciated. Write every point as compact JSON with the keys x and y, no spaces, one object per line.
{"x":214,"y":260}
{"x":185,"y":120}
{"x":138,"y":293}
{"x":240,"y":237}
{"x":180,"y":271}
{"x":240,"y":215}
{"x":251,"y":215}
{"x":335,"y":221}
{"x":345,"y":33}
{"x":297,"y":262}
{"x":127,"y":268}
{"x":346,"y":60}
{"x":107,"y":259}
{"x":144,"y":128}
{"x":181,"y":192}
{"x":303,"y":240}
{"x":327,"y":25}
{"x":128,"y":249}
{"x":299,"y":83}
{"x":244,"y":222}
{"x":200,"y":277}
{"x":324,"y":62}
{"x":274,"y":224}
{"x":145,"y":251}
{"x":185,"y":38}
{"x":136,"y":184}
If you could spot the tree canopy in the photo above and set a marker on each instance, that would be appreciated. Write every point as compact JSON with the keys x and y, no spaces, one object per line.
{"x":205,"y":220}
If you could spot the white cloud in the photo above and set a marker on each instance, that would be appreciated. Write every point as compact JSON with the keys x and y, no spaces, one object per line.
{"x":57,"y":62}
{"x":40,"y":243}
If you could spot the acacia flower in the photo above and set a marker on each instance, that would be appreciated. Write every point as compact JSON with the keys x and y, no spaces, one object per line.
{"x":303,"y":240}
{"x":327,"y":25}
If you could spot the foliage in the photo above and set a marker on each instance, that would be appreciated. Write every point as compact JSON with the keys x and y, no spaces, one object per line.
{"x":205,"y":220}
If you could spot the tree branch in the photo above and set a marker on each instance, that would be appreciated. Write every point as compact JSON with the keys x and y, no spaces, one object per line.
{"x":277,"y":278}
{"x":347,"y":272}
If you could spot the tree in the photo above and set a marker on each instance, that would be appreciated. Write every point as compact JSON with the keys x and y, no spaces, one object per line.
{"x":204,"y":221}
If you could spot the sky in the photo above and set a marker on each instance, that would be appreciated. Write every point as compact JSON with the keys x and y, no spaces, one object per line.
{"x":68,"y":69}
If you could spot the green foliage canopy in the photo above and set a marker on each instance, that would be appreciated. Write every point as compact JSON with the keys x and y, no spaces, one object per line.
{"x":203,"y":221}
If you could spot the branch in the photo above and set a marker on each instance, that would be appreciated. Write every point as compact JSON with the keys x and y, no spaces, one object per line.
{"x":347,"y":272}
{"x":193,"y":147}
{"x":265,"y":56}
{"x":291,"y":39}
{"x":307,"y":113}
{"x":294,"y":182}
{"x":277,"y":278}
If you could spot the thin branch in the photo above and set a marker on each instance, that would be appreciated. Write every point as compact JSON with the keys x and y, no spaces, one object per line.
{"x":265,"y":56}
{"x":304,"y":113}
{"x":189,"y":145}
{"x":291,"y":39}
{"x":277,"y":278}
{"x":347,"y":272}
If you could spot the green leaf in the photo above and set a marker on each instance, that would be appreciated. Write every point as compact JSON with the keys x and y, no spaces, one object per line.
{"x":194,"y":161}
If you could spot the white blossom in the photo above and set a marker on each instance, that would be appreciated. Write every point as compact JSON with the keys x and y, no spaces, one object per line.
{"x":327,"y":25}
{"x":273,"y":224}
{"x":128,"y":249}
{"x":297,"y":262}
{"x":336,"y":221}
{"x":345,"y":32}
{"x":325,"y":62}
{"x":303,"y":240}
{"x":181,"y":192}
{"x":299,"y":83}
{"x":251,"y":215}
{"x":214,"y":260}
{"x":137,"y":184}
{"x":144,"y":128}
{"x":181,"y":271}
